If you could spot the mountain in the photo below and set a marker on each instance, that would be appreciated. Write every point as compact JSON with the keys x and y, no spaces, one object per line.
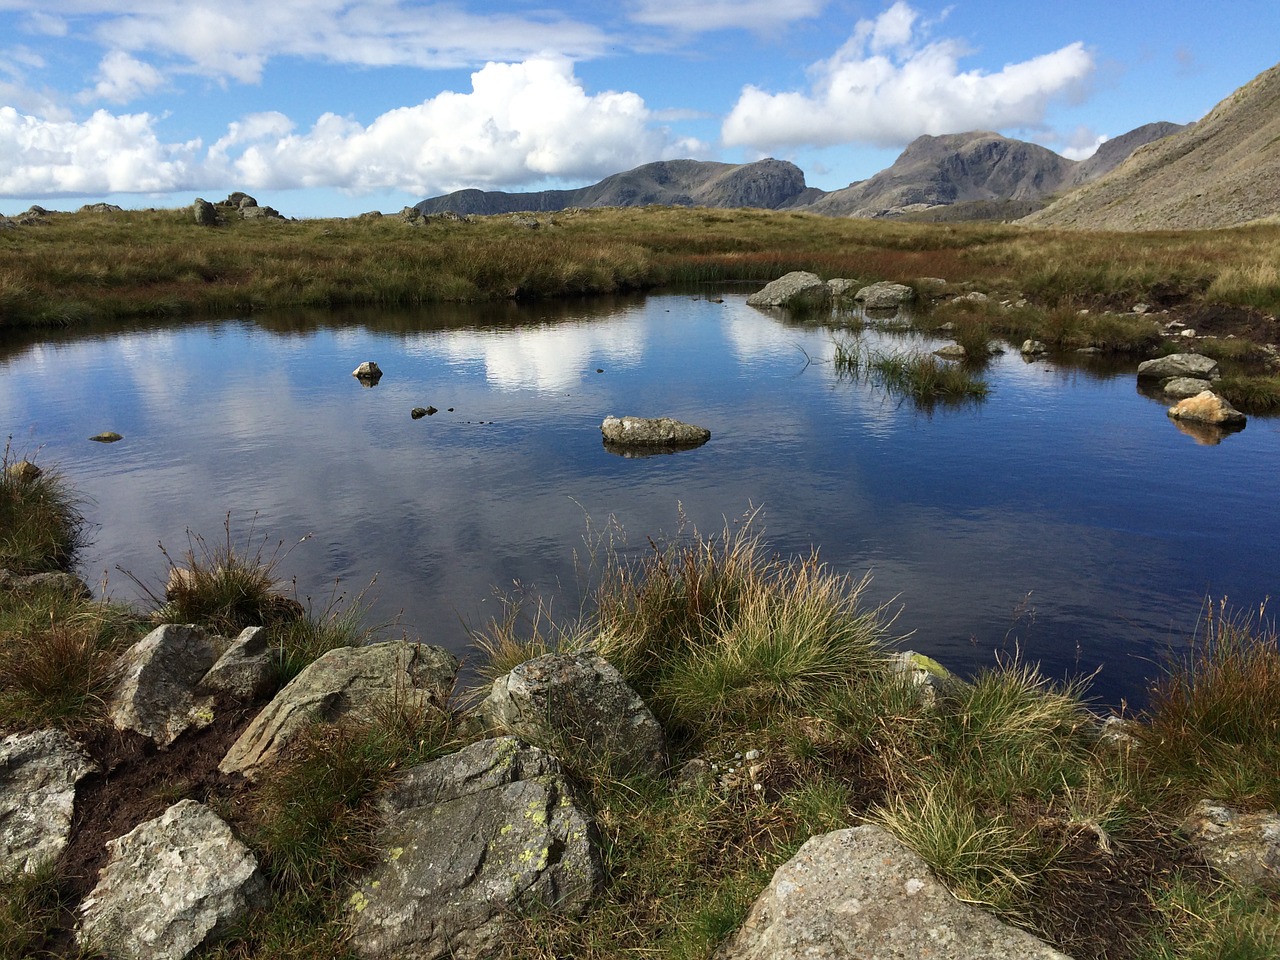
{"x":771,"y":184}
{"x":1221,"y":171}
{"x":1117,"y":150}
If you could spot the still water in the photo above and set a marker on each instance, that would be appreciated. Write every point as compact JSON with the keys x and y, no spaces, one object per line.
{"x":1065,"y":518}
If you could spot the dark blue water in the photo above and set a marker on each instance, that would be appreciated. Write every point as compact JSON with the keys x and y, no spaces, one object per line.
{"x":1064,"y":519}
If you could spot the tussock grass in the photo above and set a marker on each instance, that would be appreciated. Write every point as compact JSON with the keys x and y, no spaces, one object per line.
{"x":343,"y":622}
{"x":1250,"y":394}
{"x":29,"y":911}
{"x":1213,"y":723}
{"x":919,"y":377}
{"x":1215,"y":924}
{"x":40,"y":526}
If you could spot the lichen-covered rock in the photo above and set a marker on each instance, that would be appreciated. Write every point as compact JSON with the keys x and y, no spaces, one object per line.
{"x":885,"y":295}
{"x":579,"y":703}
{"x":652,"y":432}
{"x":204,"y":213}
{"x":469,"y":840}
{"x":38,"y":777}
{"x":155,"y":694}
{"x":796,"y":289}
{"x":55,"y":581}
{"x":170,"y":885}
{"x":859,"y":893}
{"x":1179,"y":365}
{"x":246,"y":670}
{"x":368,"y":370}
{"x":1179,"y":388}
{"x":1208,"y":407}
{"x":352,"y":681}
{"x":1244,"y":846}
{"x":843,"y":287}
{"x":1034,"y":348}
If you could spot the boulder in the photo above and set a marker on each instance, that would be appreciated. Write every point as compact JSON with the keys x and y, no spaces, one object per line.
{"x":1179,"y":365}
{"x":1179,"y":388}
{"x":7,"y":224}
{"x":170,"y":885}
{"x":1034,"y":348}
{"x":246,"y":671}
{"x":652,"y":432}
{"x":859,"y":893}
{"x":255,"y":212}
{"x":931,"y":286}
{"x":952,"y":351}
{"x":155,"y":694}
{"x":469,"y":841}
{"x":1208,"y":407}
{"x":798,"y":289}
{"x":101,"y":208}
{"x":842,"y":288}
{"x":56,"y":581}
{"x":23,"y":471}
{"x":1243,"y":846}
{"x":580,"y":703}
{"x":973,"y":296}
{"x":38,"y":777}
{"x":205,"y":213}
{"x":353,"y":681}
{"x":884,"y":296}
{"x":368,"y":371}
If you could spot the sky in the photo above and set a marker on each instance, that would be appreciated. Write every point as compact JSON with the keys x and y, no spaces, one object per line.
{"x":335,"y":107}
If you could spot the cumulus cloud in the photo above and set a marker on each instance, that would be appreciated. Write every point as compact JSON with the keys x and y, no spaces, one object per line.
{"x":520,"y":123}
{"x":45,"y":24}
{"x":121,"y":78}
{"x":698,"y":16}
{"x":889,"y":83}
{"x":104,"y":154}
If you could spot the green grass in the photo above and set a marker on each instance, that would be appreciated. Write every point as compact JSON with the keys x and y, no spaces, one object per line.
{"x":40,"y":527}
{"x":1250,"y":394}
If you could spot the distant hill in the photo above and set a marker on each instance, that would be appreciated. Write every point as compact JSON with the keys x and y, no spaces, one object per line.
{"x":1222,"y":171}
{"x":771,"y":184}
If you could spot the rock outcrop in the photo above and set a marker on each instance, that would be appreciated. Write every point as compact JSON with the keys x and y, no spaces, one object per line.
{"x":796,"y":290}
{"x":469,"y":840}
{"x":859,"y":893}
{"x":38,"y":777}
{"x":579,"y":704}
{"x":1243,"y":846}
{"x":156,"y":692}
{"x":348,"y":681}
{"x":652,"y":432}
{"x":171,"y":884}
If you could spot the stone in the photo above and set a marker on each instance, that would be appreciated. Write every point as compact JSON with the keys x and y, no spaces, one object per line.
{"x":859,"y":893}
{"x":7,"y":224}
{"x":38,"y":777}
{"x":155,"y":694}
{"x":469,"y":841}
{"x":246,"y":671}
{"x":367,"y":371}
{"x":23,"y":471}
{"x":107,"y":436}
{"x":841,"y":288}
{"x":1208,"y":407}
{"x":170,"y":885}
{"x":1179,"y":388}
{"x":1141,"y":308}
{"x":100,"y":208}
{"x":581,"y":703}
{"x":652,"y":432}
{"x":56,"y":581}
{"x":952,"y":351}
{"x":1243,"y":846}
{"x":1179,"y":365}
{"x":348,"y":681}
{"x":417,"y":413}
{"x":974,"y":296}
{"x":1034,"y":348}
{"x":796,"y":290}
{"x":205,"y":213}
{"x":885,"y":296}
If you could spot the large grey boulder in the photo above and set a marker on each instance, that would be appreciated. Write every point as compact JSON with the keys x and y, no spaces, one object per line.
{"x":884,"y":295}
{"x":38,"y":777}
{"x":170,"y":885}
{"x":469,"y":841}
{"x":1179,"y":388}
{"x":1244,"y":846}
{"x":842,"y":287}
{"x":859,"y":893}
{"x":204,"y":213}
{"x":353,"y":681}
{"x":1208,"y":407}
{"x":1179,"y":365}
{"x":579,"y":703}
{"x":246,"y":670}
{"x":155,"y":694}
{"x":652,"y":432}
{"x":798,"y":289}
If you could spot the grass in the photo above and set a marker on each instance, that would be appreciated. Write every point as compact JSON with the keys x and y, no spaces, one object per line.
{"x":919,"y":377}
{"x":40,"y":527}
{"x":161,"y":264}
{"x":1250,"y":394}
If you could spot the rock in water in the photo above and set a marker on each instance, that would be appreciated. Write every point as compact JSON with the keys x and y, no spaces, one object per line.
{"x":859,"y":893}
{"x":1208,"y":407}
{"x":884,"y":296}
{"x":171,"y":884}
{"x":798,"y":289}
{"x":1179,"y":365}
{"x":368,"y":371}
{"x":470,"y":841}
{"x":652,"y":432}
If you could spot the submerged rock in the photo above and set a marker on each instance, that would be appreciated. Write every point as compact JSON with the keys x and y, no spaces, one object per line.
{"x":171,"y":884}
{"x":859,"y":893}
{"x":581,"y":703}
{"x":797,"y":289}
{"x":652,"y":432}
{"x":107,"y":436}
{"x":38,"y":777}
{"x":471,"y":840}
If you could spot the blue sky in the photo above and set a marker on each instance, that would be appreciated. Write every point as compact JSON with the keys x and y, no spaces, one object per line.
{"x":334,"y":107}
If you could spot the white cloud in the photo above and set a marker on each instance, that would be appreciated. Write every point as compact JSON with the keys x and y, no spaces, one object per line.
{"x":887,"y":85}
{"x":45,"y":24}
{"x":104,"y":154}
{"x":121,"y":78}
{"x":698,"y":16}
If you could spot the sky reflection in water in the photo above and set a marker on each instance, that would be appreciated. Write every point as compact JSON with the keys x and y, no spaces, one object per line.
{"x":1065,"y":518}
